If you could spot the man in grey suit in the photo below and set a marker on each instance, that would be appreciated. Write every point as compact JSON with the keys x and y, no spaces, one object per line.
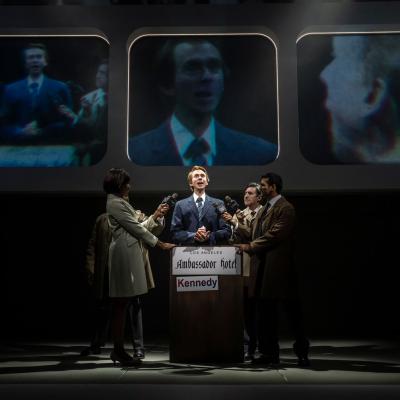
{"x":196,"y":219}
{"x":274,"y":281}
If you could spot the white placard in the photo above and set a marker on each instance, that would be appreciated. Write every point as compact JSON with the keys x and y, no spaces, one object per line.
{"x":196,"y":283}
{"x":208,"y":260}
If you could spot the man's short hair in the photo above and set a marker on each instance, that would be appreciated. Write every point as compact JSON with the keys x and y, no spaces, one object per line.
{"x":40,"y":46}
{"x":274,"y":179}
{"x":165,"y":60}
{"x":254,"y":185}
{"x":195,"y":167}
{"x":115,"y":180}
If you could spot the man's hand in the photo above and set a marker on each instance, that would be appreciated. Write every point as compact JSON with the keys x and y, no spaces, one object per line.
{"x":66,"y":112}
{"x":227,"y":217}
{"x":243,"y":247}
{"x":202,"y":234}
{"x":240,"y":216}
{"x":86,"y":106}
{"x":31,"y":129}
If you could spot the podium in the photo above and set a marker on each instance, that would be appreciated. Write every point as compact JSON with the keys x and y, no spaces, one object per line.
{"x":206,"y":305}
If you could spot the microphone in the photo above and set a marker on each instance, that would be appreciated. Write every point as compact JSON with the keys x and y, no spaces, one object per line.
{"x":231,"y":205}
{"x":170,"y":199}
{"x":219,"y":208}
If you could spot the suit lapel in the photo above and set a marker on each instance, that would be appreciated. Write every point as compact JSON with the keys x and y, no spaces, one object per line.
{"x":207,"y":205}
{"x":164,"y":147}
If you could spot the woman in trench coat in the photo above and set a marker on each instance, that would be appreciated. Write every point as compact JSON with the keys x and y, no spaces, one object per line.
{"x":128,"y":276}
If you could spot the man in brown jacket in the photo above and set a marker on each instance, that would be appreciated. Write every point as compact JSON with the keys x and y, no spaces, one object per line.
{"x":274,"y":282}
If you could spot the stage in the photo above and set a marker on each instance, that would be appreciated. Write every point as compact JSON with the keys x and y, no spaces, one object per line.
{"x":340,"y":369}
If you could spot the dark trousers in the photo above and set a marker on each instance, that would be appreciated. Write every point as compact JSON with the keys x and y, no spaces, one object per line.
{"x":268,"y":321}
{"x":101,"y":317}
{"x":135,"y":322}
{"x":250,"y":321}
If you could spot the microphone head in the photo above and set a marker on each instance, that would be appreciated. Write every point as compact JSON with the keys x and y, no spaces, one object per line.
{"x":228,"y":199}
{"x":174,"y":195}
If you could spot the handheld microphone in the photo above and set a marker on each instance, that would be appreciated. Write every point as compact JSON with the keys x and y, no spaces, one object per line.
{"x":219,"y":208}
{"x":231,"y":205}
{"x":170,"y":199}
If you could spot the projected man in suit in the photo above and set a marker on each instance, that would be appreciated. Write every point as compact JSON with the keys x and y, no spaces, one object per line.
{"x":191,"y":72}
{"x":30,"y":106}
{"x":195,"y":220}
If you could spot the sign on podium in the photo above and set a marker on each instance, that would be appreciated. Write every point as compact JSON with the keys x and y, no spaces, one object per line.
{"x":206,"y":306}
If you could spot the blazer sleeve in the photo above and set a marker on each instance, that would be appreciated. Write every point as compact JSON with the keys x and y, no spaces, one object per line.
{"x":125,"y":218}
{"x":155,"y":227}
{"x":280,"y":230}
{"x":179,"y":234}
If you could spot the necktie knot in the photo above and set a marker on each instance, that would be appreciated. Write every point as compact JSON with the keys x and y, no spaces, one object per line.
{"x":34,"y":87}
{"x":197,"y":150}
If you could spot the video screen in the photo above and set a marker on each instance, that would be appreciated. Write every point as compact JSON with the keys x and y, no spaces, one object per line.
{"x":53,"y":100}
{"x":349,"y":98}
{"x":203,"y":100}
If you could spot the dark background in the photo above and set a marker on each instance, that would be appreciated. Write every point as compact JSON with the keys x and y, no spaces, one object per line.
{"x":347,"y":259}
{"x":348,"y":216}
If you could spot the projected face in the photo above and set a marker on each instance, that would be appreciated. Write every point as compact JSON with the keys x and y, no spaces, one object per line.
{"x":102,"y":76}
{"x":35,"y":61}
{"x":199,"y":78}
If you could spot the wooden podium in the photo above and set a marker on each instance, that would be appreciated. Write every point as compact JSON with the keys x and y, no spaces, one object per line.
{"x":206,"y":324}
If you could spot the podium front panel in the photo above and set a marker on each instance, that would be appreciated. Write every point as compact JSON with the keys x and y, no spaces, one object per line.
{"x":206,"y":317}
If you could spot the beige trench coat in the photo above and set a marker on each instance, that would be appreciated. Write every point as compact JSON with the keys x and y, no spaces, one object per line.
{"x":127,"y":260}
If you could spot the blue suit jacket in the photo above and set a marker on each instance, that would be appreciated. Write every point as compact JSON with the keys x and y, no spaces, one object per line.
{"x":17,"y":109}
{"x":157,"y":147}
{"x":186,"y":221}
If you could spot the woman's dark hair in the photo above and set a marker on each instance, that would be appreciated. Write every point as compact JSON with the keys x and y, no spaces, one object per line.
{"x":115,"y":180}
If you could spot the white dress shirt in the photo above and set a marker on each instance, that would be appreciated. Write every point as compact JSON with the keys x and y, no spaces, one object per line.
{"x":183,"y":138}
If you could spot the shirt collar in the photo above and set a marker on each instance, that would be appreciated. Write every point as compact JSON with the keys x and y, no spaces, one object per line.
{"x":274,"y":200}
{"x":195,"y":197}
{"x":183,"y":138}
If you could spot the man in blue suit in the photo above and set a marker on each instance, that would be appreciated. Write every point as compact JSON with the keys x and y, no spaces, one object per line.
{"x":192,"y":72}
{"x":30,"y":106}
{"x":196,"y":219}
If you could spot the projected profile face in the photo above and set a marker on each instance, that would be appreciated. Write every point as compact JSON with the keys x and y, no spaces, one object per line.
{"x":199,"y":78}
{"x":347,"y":88}
{"x":360,"y":96}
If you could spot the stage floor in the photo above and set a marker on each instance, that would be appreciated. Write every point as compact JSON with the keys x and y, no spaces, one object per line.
{"x":337,"y":367}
